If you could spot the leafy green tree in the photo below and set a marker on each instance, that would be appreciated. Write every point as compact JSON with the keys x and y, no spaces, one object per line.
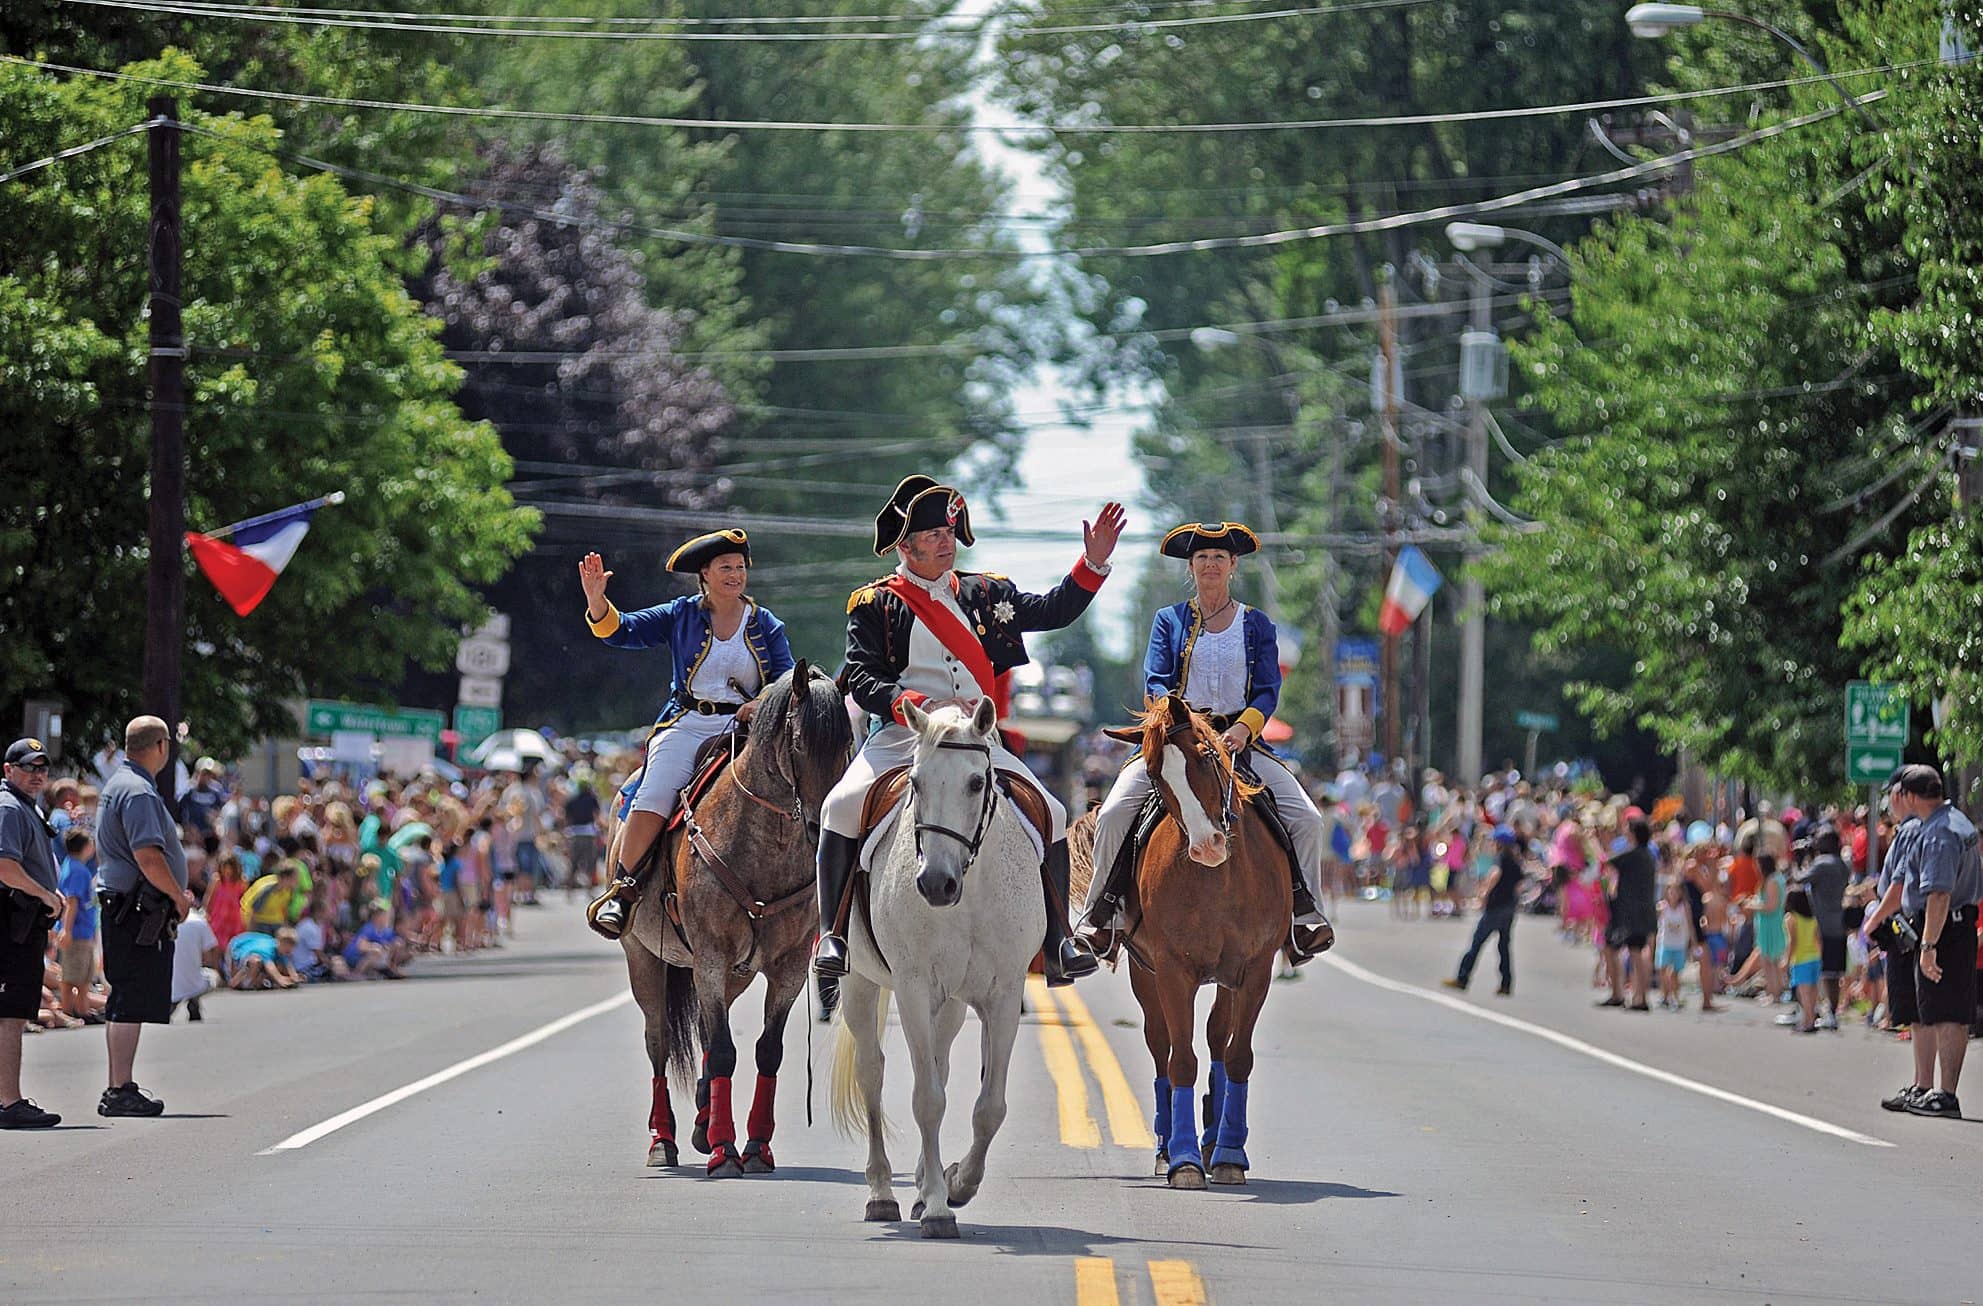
{"x":311,"y":369}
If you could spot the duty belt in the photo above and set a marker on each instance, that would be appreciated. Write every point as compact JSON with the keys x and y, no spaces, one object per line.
{"x":703,"y":707}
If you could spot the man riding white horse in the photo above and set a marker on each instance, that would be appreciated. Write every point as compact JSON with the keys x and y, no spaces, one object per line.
{"x":929,"y":635}
{"x":1224,"y":658}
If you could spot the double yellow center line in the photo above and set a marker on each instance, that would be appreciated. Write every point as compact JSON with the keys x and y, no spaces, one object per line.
{"x":1062,"y":1010}
{"x":1172,"y":1283}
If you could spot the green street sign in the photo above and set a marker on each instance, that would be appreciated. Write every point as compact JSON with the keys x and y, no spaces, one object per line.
{"x":475,"y":724}
{"x":1544,"y":722}
{"x":1871,"y":764}
{"x":324,"y":717}
{"x":1875,"y":714}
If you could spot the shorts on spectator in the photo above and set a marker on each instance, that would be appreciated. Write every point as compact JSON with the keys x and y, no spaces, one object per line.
{"x":1805,"y":972}
{"x":1617,"y":936}
{"x":1717,"y":948}
{"x":1672,"y":959}
{"x":20,"y":974}
{"x":78,"y":961}
{"x":1951,"y":1000}
{"x":140,"y":978}
{"x":1833,"y":955}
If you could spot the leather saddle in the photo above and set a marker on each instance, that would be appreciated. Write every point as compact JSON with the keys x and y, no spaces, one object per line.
{"x":885,"y":795}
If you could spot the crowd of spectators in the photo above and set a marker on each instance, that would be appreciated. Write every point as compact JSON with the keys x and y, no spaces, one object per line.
{"x":339,"y":880}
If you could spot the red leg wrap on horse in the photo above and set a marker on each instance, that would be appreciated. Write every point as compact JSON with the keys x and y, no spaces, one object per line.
{"x":661,"y":1119}
{"x":722,"y":1128}
{"x":763,"y":1113}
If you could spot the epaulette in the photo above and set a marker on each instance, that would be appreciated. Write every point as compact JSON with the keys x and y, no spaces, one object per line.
{"x":867,"y":593}
{"x":991,"y":575}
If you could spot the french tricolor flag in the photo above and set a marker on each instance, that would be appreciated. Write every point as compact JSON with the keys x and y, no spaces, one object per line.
{"x":243,"y":565}
{"x":1414,"y":580}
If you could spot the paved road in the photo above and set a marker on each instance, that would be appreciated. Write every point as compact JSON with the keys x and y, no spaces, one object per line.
{"x":1405,"y":1150}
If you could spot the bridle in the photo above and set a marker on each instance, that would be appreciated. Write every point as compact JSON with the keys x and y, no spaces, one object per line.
{"x":985,"y":813}
{"x":1186,"y":738}
{"x":796,"y":812}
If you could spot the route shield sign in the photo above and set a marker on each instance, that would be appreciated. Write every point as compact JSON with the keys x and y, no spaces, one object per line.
{"x":475,"y":724}
{"x":1876,"y":725}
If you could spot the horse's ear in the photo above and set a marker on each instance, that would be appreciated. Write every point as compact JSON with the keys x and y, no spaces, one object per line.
{"x":985,"y":719}
{"x":917,"y":719}
{"x":1126,"y":734}
{"x":801,"y":673}
{"x":1175,"y":710}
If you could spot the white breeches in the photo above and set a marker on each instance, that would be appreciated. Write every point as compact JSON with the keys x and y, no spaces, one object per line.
{"x":1117,"y":815}
{"x":671,"y":761}
{"x":893,"y":746}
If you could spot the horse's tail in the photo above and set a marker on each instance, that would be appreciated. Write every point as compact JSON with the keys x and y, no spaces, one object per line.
{"x":850,"y":1107}
{"x":681,"y":1023}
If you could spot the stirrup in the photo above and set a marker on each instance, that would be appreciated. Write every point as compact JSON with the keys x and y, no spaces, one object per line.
{"x":621,"y":889}
{"x":830,"y":961}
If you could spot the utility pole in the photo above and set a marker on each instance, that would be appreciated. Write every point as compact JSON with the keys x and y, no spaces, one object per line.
{"x":1473,"y":595}
{"x":1263,"y":495}
{"x":1387,"y":340}
{"x":165,"y":591}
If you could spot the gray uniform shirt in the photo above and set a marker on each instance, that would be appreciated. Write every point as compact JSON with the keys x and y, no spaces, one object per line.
{"x":1943,"y":858}
{"x":1894,"y":865}
{"x":131,"y":815}
{"x":24,"y":839}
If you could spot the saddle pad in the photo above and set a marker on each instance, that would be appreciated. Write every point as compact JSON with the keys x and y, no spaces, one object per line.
{"x":710,"y":761}
{"x":878,"y":837}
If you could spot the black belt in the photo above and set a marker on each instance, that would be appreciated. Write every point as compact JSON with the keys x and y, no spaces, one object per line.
{"x":703,"y":707}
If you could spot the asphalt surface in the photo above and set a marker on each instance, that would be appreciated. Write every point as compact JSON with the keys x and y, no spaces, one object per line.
{"x":1404,"y":1150}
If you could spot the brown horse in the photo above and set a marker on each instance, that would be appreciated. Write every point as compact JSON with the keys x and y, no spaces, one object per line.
{"x":740,"y":873}
{"x":1211,"y":906}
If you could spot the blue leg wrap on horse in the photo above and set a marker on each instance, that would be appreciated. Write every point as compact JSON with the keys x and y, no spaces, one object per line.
{"x":1183,"y":1144}
{"x":1215,"y":1105}
{"x":1231,"y":1149}
{"x":1163,"y":1129}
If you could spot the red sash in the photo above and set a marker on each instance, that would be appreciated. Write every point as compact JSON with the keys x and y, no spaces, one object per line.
{"x":953,"y":634}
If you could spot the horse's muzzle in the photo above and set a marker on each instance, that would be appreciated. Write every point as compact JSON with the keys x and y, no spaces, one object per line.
{"x":1210,"y":851}
{"x":940,"y":888}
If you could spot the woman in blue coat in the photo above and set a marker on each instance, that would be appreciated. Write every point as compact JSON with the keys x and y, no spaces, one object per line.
{"x":725,"y":648}
{"x":1224,"y":657}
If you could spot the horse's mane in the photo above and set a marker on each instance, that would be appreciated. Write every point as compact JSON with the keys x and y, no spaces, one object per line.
{"x":824,"y":730}
{"x":1154,"y":713}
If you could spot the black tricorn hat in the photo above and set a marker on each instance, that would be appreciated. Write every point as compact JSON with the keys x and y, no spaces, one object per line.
{"x":920,"y":504}
{"x":705,"y":549}
{"x":1231,"y":536}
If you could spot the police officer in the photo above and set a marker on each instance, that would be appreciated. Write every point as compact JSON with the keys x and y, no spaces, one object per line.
{"x":29,"y":902}
{"x":143,"y":873}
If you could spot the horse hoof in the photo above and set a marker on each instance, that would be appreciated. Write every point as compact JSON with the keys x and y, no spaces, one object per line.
{"x":940,"y":1226}
{"x":699,"y":1140}
{"x":916,"y":1211}
{"x":1163,"y":1163}
{"x":724,"y":1168}
{"x":959,"y":1195}
{"x":1228,"y":1174}
{"x":882,"y":1212}
{"x":663,"y":1153}
{"x":1188,"y":1177}
{"x":758,"y":1159}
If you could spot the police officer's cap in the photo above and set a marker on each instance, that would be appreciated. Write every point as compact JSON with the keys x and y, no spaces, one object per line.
{"x":705,"y":549}
{"x":920,"y":504}
{"x":24,"y":751}
{"x":1189,"y":538}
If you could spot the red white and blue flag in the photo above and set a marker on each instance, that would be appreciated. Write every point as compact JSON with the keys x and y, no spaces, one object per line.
{"x":1413,"y":582}
{"x":244,"y":559}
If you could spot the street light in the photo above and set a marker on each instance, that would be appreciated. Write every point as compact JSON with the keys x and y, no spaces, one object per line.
{"x":1470,"y":236}
{"x":1653,"y":21}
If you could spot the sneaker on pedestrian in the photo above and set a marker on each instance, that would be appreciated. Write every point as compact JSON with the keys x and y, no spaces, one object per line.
{"x":1789,"y":1018}
{"x":1451,"y":983}
{"x":129,"y":1100}
{"x":27,"y":1114}
{"x":1828,"y":1021}
{"x":1505,"y":991}
{"x":1899,"y":1100}
{"x":1936,"y":1103}
{"x":1612,"y":1002}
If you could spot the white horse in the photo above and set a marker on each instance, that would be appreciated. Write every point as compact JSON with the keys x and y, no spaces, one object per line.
{"x":953,"y":920}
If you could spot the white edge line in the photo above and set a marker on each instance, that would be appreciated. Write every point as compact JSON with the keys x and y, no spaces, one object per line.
{"x":459,"y":1068}
{"x":1812,"y":1123}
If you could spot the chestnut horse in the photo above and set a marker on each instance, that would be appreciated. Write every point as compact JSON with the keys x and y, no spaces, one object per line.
{"x":1211,"y":906}
{"x":753,"y":834}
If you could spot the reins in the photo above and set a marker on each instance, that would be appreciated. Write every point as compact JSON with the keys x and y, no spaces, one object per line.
{"x":755,"y":909}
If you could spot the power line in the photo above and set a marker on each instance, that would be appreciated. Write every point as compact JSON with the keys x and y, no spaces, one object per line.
{"x":1074,"y":129}
{"x":73,"y":151}
{"x":794,"y":20}
{"x":974,"y":31}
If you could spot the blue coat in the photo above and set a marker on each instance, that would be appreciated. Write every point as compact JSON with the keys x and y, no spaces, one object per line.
{"x":682,"y":625}
{"x":1167,"y":664}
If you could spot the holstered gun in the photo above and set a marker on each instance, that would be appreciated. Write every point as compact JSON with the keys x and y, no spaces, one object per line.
{"x":21,"y":913}
{"x":157,"y":918}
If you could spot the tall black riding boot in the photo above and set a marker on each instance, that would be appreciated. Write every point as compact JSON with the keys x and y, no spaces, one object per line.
{"x":1066,"y":961}
{"x":837,"y":855}
{"x":1312,"y":933}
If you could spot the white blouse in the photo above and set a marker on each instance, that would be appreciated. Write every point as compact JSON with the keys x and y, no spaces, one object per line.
{"x":727,"y":659}
{"x":1216,"y":681}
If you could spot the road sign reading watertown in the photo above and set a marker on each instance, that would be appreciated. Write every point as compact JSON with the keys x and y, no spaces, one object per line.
{"x":1876,"y":725}
{"x":322,"y":717}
